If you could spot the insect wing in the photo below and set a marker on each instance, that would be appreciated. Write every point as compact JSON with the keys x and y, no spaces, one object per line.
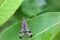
{"x":21,"y":33}
{"x":28,"y":32}
{"x":25,"y":29}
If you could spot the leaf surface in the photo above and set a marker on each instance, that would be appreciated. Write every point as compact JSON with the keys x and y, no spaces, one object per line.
{"x":7,"y":9}
{"x":43,"y":27}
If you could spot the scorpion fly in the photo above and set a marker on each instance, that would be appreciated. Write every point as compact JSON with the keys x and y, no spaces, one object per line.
{"x":24,"y":29}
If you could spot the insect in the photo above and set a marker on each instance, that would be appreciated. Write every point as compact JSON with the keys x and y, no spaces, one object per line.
{"x":24,"y":29}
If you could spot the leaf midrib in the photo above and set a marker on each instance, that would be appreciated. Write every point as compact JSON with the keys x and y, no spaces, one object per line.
{"x":3,"y":3}
{"x":45,"y":30}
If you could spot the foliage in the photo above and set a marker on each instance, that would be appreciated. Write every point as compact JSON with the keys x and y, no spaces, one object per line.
{"x":43,"y":17}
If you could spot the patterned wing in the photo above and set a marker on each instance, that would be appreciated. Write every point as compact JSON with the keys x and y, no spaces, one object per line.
{"x":28,"y":32}
{"x":21,"y":33}
{"x":25,"y":30}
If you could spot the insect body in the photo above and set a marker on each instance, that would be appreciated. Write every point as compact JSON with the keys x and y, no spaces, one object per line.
{"x":25,"y":30}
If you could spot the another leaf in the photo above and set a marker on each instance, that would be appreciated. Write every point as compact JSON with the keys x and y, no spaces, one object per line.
{"x":45,"y":26}
{"x":7,"y":9}
{"x":57,"y":37}
{"x":33,"y":7}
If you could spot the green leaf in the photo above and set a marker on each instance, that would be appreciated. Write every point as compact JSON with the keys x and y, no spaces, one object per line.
{"x":57,"y":37}
{"x":48,"y":33}
{"x":10,"y":33}
{"x":33,"y":7}
{"x":7,"y":9}
{"x":52,"y":5}
{"x":1,"y":2}
{"x":43,"y":27}
{"x":36,"y":7}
